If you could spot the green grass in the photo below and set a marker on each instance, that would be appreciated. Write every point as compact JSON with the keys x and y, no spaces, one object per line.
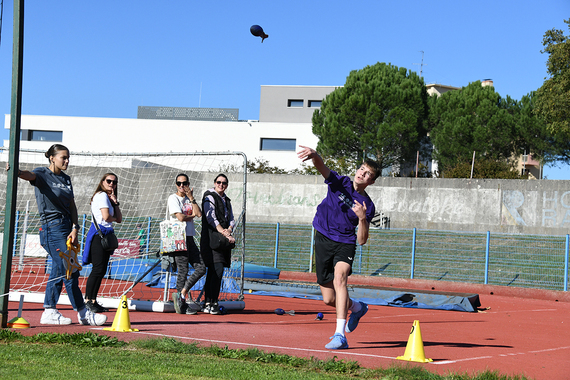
{"x":64,"y":356}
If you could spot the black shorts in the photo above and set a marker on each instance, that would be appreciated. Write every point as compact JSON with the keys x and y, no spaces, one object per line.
{"x":328,"y":253}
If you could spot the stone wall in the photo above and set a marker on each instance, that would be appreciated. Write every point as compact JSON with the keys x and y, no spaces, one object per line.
{"x":510,"y":206}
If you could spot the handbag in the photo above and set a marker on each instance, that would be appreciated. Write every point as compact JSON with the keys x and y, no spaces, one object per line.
{"x":219,"y":242}
{"x":172,"y":235}
{"x":109,"y":242}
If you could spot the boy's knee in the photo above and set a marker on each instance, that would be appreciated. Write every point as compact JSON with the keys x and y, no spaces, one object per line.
{"x":329,"y":301}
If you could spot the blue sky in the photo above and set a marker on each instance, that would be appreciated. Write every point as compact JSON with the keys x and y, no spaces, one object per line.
{"x":106,"y":58}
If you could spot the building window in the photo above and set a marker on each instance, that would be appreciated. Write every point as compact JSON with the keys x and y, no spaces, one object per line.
{"x":315,"y":103}
{"x":32,"y":135}
{"x":295,"y":103}
{"x":277,"y":144}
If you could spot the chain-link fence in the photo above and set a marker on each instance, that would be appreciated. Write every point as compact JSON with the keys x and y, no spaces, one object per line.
{"x":528,"y":261}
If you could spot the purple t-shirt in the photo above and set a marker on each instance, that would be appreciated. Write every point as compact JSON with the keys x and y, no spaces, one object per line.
{"x":335,"y":218}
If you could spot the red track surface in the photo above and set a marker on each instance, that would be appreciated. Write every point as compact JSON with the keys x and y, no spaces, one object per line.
{"x":516,"y":335}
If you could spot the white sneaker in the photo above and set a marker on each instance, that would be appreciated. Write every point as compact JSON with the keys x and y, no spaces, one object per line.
{"x":91,"y":318}
{"x":54,"y":317}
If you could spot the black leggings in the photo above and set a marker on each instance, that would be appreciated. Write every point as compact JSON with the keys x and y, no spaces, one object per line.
{"x":100,"y":260}
{"x":195,"y":259}
{"x":213,"y":282}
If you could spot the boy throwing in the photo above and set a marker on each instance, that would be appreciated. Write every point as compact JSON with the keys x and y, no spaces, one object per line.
{"x":345,"y":207}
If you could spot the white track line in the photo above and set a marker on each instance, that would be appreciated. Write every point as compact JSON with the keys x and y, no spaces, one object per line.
{"x":261,"y":345}
{"x":501,"y":355}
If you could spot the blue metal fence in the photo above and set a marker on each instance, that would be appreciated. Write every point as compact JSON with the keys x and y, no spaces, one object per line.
{"x":528,"y":261}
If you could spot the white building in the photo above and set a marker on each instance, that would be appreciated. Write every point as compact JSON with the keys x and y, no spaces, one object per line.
{"x":284,"y":123}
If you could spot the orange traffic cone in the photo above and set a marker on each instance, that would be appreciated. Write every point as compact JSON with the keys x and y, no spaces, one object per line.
{"x":415,"y":347}
{"x":19,"y":322}
{"x":122,"y":322}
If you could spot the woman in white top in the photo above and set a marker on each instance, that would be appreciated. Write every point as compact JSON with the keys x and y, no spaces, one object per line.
{"x":105,"y":210}
{"x":182,"y":206}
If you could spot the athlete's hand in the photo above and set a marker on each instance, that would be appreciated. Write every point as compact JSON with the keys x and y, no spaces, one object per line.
{"x":306,"y":153}
{"x":359,"y":209}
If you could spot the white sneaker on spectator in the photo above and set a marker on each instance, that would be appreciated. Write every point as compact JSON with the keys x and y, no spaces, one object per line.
{"x":91,"y":318}
{"x":54,"y":317}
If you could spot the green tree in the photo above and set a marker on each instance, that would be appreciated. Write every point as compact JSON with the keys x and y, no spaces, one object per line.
{"x":485,"y":168}
{"x":553,"y":98}
{"x":379,"y":114}
{"x":473,"y":119}
{"x":536,"y":137}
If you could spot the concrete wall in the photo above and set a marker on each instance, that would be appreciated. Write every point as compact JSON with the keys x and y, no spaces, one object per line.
{"x":509,"y":206}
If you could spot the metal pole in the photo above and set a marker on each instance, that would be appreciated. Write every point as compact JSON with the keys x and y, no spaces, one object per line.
{"x":13,"y":157}
{"x":566,"y":263}
{"x":312,"y":249}
{"x":23,"y":238}
{"x":276,"y":246}
{"x":487,"y":257}
{"x":472,"y":164}
{"x":413,"y":254}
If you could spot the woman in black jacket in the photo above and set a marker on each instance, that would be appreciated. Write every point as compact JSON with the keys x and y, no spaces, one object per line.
{"x":216,"y":241}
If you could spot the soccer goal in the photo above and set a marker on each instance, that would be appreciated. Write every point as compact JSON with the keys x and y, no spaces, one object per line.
{"x":136,"y":269}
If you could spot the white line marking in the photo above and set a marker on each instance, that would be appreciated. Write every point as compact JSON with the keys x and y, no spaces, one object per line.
{"x":501,"y":355}
{"x":267,"y":346}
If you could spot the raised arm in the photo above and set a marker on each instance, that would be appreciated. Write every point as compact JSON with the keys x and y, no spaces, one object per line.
{"x":307,"y":153}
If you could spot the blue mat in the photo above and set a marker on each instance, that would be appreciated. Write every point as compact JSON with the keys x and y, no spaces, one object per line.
{"x":374,"y":296}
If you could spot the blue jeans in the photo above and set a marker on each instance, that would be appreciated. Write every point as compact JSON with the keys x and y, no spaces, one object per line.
{"x":53,"y":236}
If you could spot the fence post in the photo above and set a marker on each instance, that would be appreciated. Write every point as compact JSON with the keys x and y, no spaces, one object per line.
{"x":148,"y":235}
{"x":312,"y":249}
{"x":413,"y":254}
{"x":83,"y":233}
{"x":566,"y":263}
{"x":276,"y":246}
{"x":359,"y":259}
{"x":16,"y":232}
{"x":487,"y":258}
{"x":23,"y":238}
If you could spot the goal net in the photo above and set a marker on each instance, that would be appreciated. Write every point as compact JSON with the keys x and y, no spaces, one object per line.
{"x":136,"y":269}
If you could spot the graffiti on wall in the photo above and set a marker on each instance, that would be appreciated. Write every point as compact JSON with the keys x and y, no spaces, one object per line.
{"x":525,"y":209}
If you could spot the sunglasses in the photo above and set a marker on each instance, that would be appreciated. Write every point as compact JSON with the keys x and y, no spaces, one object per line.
{"x":110,"y":181}
{"x":183,"y":183}
{"x":222,"y":183}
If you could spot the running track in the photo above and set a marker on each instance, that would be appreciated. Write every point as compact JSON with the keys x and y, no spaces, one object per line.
{"x":523,"y":331}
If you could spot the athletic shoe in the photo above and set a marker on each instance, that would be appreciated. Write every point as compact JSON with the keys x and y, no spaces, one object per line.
{"x":54,"y":317}
{"x":179,"y":303}
{"x":207,"y":308}
{"x":192,"y":308}
{"x":355,"y":318}
{"x":91,"y":318}
{"x":215,"y":309}
{"x":95,"y":307}
{"x":338,"y":342}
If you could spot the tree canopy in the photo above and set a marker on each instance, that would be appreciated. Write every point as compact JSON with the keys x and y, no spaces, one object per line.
{"x":473,"y":119}
{"x":553,"y":98}
{"x":379,"y":114}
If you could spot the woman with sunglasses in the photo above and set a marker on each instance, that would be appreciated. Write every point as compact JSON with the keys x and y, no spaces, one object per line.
{"x":105,"y":210}
{"x":58,"y":216}
{"x":182,"y":206}
{"x":217,"y":225}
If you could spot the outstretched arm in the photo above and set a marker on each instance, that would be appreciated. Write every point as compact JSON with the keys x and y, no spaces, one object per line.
{"x":307,"y":153}
{"x":23,"y":174}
